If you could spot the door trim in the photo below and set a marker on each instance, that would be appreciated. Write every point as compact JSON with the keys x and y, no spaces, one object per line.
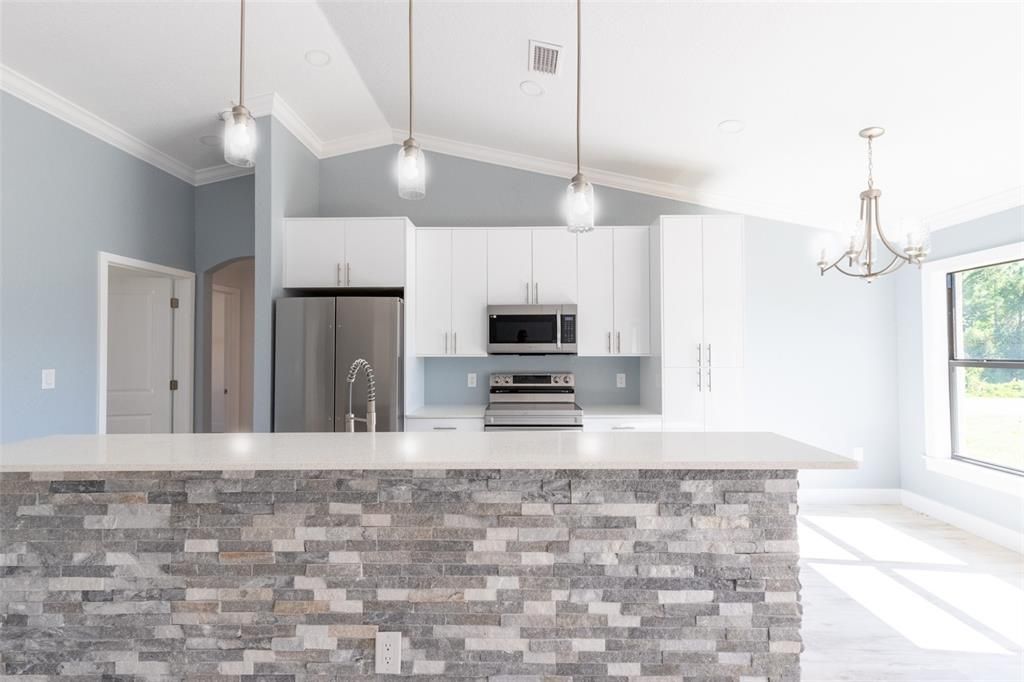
{"x":184,"y":287}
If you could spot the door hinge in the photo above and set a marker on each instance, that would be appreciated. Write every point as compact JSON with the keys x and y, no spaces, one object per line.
{"x":174,"y":384}
{"x":174,"y":301}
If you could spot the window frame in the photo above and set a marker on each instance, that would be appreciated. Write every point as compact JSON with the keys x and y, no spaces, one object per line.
{"x":954,"y":363}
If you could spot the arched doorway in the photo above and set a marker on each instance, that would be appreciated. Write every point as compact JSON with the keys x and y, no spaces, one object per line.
{"x":228,"y":346}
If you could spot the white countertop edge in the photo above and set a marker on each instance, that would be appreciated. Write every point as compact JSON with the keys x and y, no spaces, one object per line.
{"x":417,"y":451}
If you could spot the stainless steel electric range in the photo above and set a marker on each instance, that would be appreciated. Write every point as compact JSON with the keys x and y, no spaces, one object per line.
{"x":541,"y":401}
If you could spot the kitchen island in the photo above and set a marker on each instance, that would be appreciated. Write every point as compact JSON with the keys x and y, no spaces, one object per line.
{"x":497,"y":555}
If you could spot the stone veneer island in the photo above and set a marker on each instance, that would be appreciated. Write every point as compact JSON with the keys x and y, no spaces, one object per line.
{"x":499,"y":556}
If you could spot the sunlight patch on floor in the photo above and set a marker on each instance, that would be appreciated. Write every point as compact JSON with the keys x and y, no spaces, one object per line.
{"x":880,"y":541}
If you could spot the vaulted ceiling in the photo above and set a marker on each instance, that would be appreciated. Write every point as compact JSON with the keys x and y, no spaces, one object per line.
{"x":945,"y":79}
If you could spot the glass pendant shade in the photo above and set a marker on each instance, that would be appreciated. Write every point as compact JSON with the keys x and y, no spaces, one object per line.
{"x":412,"y":171}
{"x":240,"y":138}
{"x":579,"y":204}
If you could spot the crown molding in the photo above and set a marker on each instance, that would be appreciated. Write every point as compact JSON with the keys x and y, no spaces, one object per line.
{"x":225,"y":171}
{"x":372,"y":139}
{"x":604,"y":178}
{"x":274,"y":105}
{"x":1011,"y":198}
{"x":59,"y":107}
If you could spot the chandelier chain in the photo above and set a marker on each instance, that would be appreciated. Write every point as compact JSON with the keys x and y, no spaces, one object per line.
{"x":871,"y":166}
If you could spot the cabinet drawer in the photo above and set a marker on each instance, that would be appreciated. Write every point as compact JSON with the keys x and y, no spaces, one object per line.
{"x":416,"y":424}
{"x":624,"y":424}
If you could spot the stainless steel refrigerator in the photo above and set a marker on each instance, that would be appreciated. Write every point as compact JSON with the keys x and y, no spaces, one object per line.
{"x":316,"y":340}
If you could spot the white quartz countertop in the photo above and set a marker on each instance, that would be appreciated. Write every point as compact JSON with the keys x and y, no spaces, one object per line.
{"x":435,"y":450}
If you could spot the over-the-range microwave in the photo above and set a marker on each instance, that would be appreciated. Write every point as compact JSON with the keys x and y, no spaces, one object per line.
{"x":531,"y":329}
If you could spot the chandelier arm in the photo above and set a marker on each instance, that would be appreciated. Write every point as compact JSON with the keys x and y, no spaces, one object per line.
{"x":894,"y":250}
{"x":895,"y":264}
{"x":851,"y":274}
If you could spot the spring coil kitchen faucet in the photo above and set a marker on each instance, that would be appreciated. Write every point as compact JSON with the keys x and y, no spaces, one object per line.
{"x":371,"y":397}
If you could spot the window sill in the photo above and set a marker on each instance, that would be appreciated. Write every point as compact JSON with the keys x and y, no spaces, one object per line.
{"x":1001,"y":481}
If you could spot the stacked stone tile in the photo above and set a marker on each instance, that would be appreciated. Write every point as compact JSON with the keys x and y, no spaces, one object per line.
{"x":489,"y":575}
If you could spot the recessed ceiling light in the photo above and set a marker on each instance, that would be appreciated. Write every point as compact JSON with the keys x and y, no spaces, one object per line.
{"x":210,"y":140}
{"x":318,"y":58}
{"x":531,"y":88}
{"x":731,"y":127}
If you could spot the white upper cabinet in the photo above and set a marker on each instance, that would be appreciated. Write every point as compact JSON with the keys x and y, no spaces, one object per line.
{"x":375,"y":251}
{"x":314,"y":252}
{"x":597,"y":293}
{"x":615,"y":293}
{"x":451,"y":292}
{"x":509,"y":266}
{"x":433,"y":291}
{"x":682,"y":291}
{"x":632,"y":300}
{"x":723,"y":290}
{"x":344,"y":252}
{"x":554,"y":266}
{"x":469,"y":292}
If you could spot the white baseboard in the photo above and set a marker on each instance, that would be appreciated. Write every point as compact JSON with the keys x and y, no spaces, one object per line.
{"x":993,"y":532}
{"x":849,"y":496}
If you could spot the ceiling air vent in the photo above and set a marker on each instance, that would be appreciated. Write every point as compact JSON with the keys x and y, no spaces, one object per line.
{"x":544,"y":57}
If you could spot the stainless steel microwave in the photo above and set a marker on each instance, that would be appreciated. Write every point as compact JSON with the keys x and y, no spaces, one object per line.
{"x":531,"y":329}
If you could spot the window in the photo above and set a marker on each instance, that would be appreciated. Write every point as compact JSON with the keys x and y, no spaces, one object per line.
{"x":985,"y":314}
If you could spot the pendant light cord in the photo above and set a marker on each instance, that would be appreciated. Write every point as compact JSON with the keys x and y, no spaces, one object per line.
{"x":579,"y":76}
{"x":410,"y":69}
{"x":241,"y":59}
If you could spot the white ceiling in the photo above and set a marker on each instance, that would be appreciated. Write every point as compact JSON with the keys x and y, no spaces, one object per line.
{"x":945,"y":79}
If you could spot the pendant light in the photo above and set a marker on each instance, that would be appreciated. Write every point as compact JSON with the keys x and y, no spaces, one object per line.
{"x":868,"y":239}
{"x":239,"y":125}
{"x":412,"y":169}
{"x":579,"y":198}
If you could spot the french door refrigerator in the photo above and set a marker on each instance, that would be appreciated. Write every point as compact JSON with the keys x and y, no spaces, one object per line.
{"x":316,"y":339}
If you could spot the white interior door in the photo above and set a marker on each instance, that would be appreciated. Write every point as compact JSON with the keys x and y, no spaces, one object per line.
{"x":682,"y":291}
{"x":139,"y":352}
{"x":554,"y":267}
{"x":434,"y":291}
{"x":314,"y":253}
{"x":509,"y":266}
{"x":469,"y":292}
{"x":225,"y":360}
{"x":632,"y":291}
{"x":375,"y":251}
{"x":722,"y":238}
{"x":596,"y":327}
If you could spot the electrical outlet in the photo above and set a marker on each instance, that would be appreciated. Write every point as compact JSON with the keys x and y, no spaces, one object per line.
{"x":471,"y":380}
{"x":49,"y":379}
{"x":388,"y":658}
{"x":620,"y":381}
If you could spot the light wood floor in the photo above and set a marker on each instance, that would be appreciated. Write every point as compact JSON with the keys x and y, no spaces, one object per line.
{"x":890,"y":594}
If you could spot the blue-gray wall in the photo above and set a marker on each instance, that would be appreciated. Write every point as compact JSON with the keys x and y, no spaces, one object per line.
{"x":287,"y":185}
{"x":224,"y":231}
{"x":976,"y":235}
{"x":811,"y":373}
{"x":66,"y":196}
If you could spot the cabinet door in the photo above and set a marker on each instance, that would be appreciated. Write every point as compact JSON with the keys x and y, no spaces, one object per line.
{"x":554,"y":266}
{"x":723,"y":399}
{"x":509,"y":266}
{"x":722,"y":238}
{"x":682,"y":291}
{"x":632,"y":291}
{"x":420,"y":424}
{"x":469,"y":292}
{"x":375,"y":250}
{"x":596,"y":320}
{"x":433,"y":291}
{"x":314,"y":253}
{"x":682,"y":404}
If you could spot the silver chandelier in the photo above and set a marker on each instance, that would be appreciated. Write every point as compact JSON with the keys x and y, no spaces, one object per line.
{"x":860,"y":249}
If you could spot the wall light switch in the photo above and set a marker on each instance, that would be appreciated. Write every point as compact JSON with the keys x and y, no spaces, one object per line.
{"x":388,"y":653}
{"x":49,"y":379}
{"x":471,"y":379}
{"x":620,"y":381}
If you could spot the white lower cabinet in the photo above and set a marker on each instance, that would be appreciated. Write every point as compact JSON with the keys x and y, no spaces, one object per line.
{"x":464,"y":424}
{"x":712,"y":402}
{"x":614,"y":424}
